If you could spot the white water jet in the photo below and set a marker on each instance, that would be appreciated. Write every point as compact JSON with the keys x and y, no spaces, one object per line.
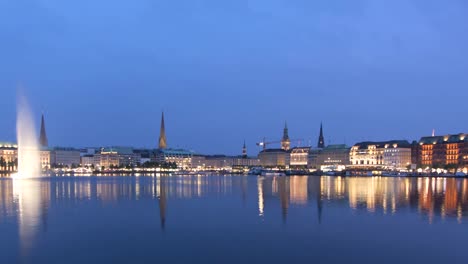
{"x":28,"y":147}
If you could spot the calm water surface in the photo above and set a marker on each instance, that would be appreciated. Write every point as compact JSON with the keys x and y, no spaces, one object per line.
{"x":234,"y":219}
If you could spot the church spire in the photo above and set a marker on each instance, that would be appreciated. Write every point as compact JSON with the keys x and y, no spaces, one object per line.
{"x":285,"y":142}
{"x":162,"y":134}
{"x":244,"y":151}
{"x":321,"y":140}
{"x":43,"y":136}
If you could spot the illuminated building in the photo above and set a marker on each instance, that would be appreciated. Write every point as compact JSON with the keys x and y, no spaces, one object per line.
{"x":182,"y":158}
{"x":273,"y":157}
{"x":109,"y":158}
{"x":65,"y":157}
{"x":222,"y":162}
{"x":298,"y":157}
{"x":285,"y":141}
{"x":91,"y":160}
{"x":127,"y":157}
{"x":332,"y":157}
{"x":395,"y":154}
{"x":44,"y":157}
{"x":444,"y":151}
{"x":8,"y":156}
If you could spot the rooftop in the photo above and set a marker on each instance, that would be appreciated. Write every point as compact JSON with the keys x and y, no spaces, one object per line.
{"x":382,"y":144}
{"x":454,"y":138}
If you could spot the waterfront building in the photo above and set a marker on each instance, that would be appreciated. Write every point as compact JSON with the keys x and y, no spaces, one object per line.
{"x":181,"y":157}
{"x":8,"y":156}
{"x":91,"y":160}
{"x":285,"y":141}
{"x":397,"y":156}
{"x":198,"y":161}
{"x":449,"y":151}
{"x":109,"y":158}
{"x":223,"y":162}
{"x":331,"y":157}
{"x":45,"y":158}
{"x":394,"y":154}
{"x":273,"y":157}
{"x":162,"y":134}
{"x":415,"y":153}
{"x":64,"y":157}
{"x":298,"y":157}
{"x":245,"y":161}
{"x":127,"y":157}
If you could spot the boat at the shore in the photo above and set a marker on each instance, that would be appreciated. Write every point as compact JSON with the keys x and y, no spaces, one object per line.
{"x":272,"y":173}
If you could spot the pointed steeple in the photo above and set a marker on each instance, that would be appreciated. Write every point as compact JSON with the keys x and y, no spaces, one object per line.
{"x":43,"y":136}
{"x":244,"y":151}
{"x":321,"y":140}
{"x":285,"y":131}
{"x":162,"y":134}
{"x":285,"y":142}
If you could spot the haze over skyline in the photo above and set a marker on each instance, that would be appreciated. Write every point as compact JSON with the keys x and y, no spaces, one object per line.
{"x":225,"y":71}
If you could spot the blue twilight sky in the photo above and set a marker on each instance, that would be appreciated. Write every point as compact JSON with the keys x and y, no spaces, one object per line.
{"x":225,"y":71}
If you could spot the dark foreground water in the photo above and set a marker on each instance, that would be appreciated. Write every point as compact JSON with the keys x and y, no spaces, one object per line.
{"x":234,"y":219}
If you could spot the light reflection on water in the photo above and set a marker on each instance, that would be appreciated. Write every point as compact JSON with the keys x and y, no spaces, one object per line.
{"x":445,"y":197}
{"x":28,"y":202}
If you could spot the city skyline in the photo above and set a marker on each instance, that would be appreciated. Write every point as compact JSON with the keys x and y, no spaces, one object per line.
{"x":162,"y":141}
{"x":225,"y":72}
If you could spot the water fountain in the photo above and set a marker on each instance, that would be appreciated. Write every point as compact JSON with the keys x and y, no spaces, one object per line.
{"x":28,"y":147}
{"x":27,"y":192}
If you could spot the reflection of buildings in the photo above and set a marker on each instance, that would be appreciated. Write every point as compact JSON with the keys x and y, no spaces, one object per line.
{"x":260,"y":196}
{"x":162,"y":201}
{"x":6,"y":199}
{"x":298,"y":192}
{"x":434,"y":197}
{"x":283,"y":190}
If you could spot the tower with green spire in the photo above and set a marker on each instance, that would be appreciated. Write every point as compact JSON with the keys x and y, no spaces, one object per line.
{"x":162,"y":134}
{"x":285,"y":142}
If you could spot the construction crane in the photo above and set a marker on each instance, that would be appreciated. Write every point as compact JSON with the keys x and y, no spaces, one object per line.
{"x":264,"y":143}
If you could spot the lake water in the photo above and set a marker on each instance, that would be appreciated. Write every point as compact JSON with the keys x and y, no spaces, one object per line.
{"x":234,"y":219}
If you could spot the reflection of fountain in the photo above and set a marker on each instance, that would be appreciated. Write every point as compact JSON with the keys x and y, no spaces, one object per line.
{"x":27,"y":194}
{"x":28,"y":150}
